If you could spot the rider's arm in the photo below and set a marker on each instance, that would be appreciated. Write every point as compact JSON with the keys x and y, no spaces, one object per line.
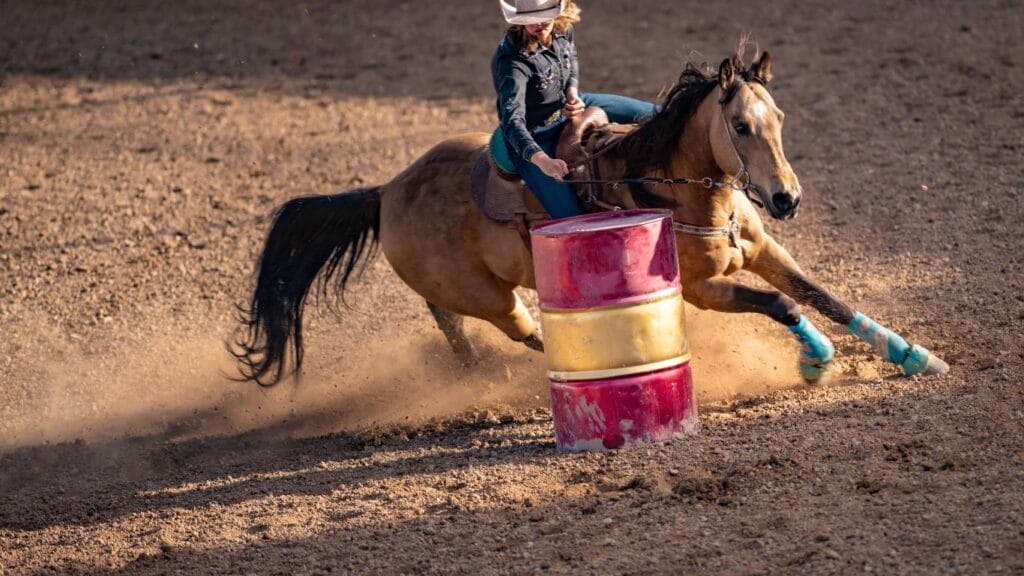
{"x":574,"y":68}
{"x":512,"y":76}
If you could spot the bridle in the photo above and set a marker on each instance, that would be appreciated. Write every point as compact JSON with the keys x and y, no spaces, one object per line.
{"x":740,"y":182}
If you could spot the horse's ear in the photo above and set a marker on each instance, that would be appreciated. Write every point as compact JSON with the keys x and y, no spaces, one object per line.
{"x":726,"y":74}
{"x":762,"y":69}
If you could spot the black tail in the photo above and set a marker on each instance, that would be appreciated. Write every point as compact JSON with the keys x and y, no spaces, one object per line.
{"x":311,"y":234}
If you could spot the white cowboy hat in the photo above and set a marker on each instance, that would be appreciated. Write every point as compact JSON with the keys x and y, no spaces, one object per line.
{"x":525,"y":12}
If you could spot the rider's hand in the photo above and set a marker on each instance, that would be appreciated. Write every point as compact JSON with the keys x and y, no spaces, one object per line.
{"x":552,"y":167}
{"x":573,"y":104}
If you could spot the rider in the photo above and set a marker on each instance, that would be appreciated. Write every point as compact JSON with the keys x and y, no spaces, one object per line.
{"x":535,"y":73}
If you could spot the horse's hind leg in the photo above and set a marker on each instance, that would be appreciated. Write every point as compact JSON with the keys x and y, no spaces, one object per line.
{"x":452,"y":325}
{"x":488,"y":298}
{"x":496,"y":302}
{"x":519,"y":322}
{"x":775,"y":265}
{"x":501,"y":306}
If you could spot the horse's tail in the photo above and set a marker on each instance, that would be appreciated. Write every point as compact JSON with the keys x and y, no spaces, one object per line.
{"x":309,"y":235}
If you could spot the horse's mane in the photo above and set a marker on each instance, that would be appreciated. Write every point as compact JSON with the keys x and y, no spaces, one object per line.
{"x":653,"y":142}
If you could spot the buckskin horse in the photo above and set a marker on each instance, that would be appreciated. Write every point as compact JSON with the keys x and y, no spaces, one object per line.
{"x":709,"y":154}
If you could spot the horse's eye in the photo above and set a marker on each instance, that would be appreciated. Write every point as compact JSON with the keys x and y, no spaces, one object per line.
{"x":741,"y":128}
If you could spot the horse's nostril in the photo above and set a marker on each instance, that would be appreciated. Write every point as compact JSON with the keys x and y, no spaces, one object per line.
{"x":783,"y":202}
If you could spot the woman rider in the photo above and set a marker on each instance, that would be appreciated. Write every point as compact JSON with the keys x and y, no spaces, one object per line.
{"x":535,"y":73}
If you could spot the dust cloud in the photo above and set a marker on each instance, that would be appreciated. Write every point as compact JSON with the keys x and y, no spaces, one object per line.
{"x":179,"y":386}
{"x":739,"y":355}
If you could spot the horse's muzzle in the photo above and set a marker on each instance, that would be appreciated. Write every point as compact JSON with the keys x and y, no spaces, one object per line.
{"x":784,"y":205}
{"x":781,"y":205}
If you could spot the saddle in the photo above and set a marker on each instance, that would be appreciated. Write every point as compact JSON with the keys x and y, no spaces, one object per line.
{"x":502,"y":196}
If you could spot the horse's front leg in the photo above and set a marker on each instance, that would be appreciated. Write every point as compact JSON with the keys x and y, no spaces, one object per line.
{"x":724,"y":294}
{"x":774,"y":264}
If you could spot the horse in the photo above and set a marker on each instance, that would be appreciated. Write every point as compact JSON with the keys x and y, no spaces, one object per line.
{"x":711,"y":154}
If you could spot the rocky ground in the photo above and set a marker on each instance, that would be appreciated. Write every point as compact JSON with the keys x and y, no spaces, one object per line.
{"x":143,"y":146}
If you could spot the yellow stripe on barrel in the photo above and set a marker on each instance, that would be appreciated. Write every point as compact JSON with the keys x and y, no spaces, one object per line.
{"x":612,"y":339}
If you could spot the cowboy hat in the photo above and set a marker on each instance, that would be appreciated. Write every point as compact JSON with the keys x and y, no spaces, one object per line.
{"x":526,"y":12}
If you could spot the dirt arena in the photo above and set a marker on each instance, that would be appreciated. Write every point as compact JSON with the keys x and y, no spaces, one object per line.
{"x":144,"y":144}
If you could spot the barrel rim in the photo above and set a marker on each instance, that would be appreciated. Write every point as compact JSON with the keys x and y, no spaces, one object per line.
{"x":609,"y":373}
{"x":611,"y":216}
{"x":637,"y":300}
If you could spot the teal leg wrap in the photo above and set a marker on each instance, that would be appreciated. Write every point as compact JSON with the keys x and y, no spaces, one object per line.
{"x":914,"y":359}
{"x":886,"y":342}
{"x":816,"y":350}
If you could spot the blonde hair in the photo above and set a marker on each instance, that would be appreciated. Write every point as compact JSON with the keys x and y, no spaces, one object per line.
{"x":570,"y":15}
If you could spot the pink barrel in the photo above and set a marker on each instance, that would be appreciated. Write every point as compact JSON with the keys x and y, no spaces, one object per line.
{"x":624,"y":411}
{"x":614,"y":332}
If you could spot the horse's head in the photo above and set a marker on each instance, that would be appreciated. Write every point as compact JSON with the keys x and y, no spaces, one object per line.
{"x":746,"y":134}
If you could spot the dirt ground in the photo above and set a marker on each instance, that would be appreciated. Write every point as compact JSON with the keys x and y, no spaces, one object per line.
{"x":143,"y":146}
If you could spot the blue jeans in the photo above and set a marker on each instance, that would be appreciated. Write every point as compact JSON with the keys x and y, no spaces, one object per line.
{"x":557,"y":197}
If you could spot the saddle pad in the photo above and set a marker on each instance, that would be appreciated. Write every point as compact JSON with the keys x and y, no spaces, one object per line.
{"x":499,"y":153}
{"x":497,"y":198}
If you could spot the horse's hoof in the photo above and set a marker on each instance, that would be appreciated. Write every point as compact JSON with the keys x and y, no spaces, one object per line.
{"x":533,"y":342}
{"x":920,"y":361}
{"x":936,"y":366}
{"x":467,"y":355}
{"x":816,"y":351}
{"x":815,"y":373}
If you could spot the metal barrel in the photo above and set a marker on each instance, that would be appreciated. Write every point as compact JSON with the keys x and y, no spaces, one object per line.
{"x":614,"y":331}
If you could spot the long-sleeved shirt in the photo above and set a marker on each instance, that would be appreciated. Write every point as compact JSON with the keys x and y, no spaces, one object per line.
{"x":531,"y":87}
